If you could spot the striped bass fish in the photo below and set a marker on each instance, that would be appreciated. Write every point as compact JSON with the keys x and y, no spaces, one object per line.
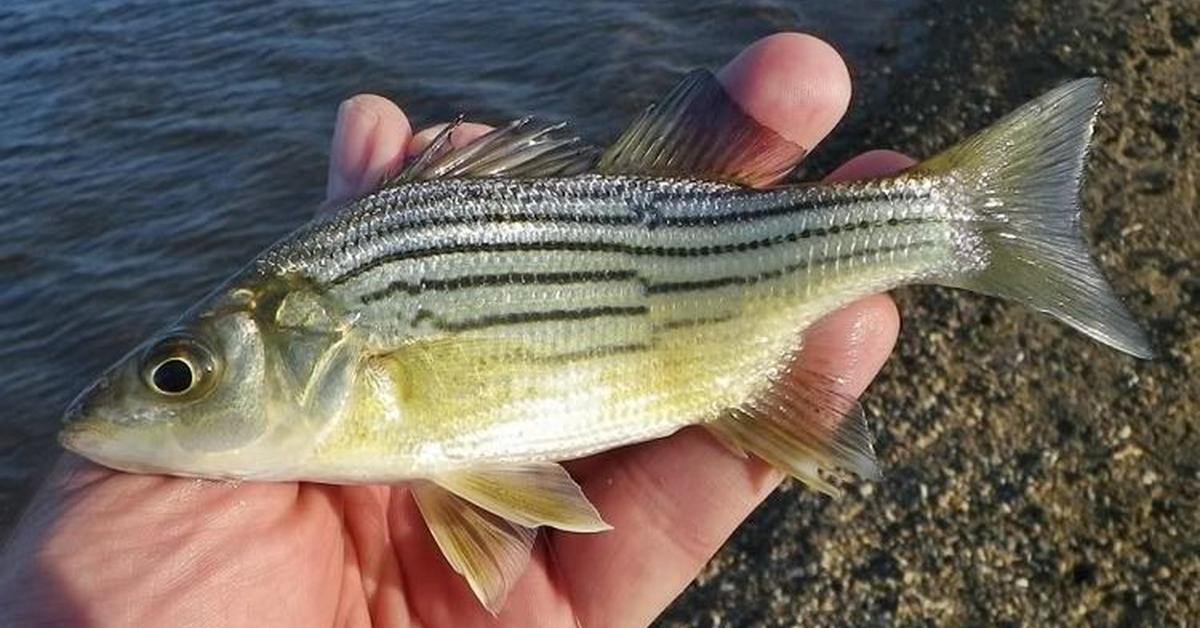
{"x":495,"y":309}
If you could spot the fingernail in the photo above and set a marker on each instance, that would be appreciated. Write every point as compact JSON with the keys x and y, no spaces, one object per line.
{"x":350,"y":151}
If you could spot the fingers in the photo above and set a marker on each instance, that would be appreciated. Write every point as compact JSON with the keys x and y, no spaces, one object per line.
{"x":674,"y":502}
{"x":372,"y":139}
{"x":369,"y":142}
{"x":872,"y":165}
{"x":466,"y":133}
{"x":373,"y":136}
{"x":795,"y":84}
{"x":100,"y":547}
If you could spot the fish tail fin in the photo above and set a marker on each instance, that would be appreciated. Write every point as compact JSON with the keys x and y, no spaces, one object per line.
{"x":1024,"y":174}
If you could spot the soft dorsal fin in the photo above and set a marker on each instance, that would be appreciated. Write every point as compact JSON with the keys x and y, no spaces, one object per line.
{"x":522,"y":148}
{"x":700,"y":131}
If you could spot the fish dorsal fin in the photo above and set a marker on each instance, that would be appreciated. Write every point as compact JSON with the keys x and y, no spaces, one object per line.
{"x":521,"y":149}
{"x":802,"y":425}
{"x":700,"y":131}
{"x":489,"y":552}
{"x":530,"y":494}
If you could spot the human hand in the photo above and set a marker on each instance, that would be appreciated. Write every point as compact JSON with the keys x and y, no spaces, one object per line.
{"x":99,"y":547}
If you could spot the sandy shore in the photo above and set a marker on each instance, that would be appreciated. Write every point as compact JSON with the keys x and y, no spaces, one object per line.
{"x":1032,"y":477}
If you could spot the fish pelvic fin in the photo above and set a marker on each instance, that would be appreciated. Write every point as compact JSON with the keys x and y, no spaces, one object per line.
{"x":484,"y":520}
{"x":1024,"y":174}
{"x":531,"y":494}
{"x":804,"y":426}
{"x":489,"y":552}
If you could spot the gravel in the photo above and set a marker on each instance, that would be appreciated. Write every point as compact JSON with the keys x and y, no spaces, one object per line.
{"x":1031,"y":475}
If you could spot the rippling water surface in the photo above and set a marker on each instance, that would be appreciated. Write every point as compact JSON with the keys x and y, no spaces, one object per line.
{"x":148,"y":149}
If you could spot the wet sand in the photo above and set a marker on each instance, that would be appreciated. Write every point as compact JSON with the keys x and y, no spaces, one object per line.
{"x":1033,"y":477}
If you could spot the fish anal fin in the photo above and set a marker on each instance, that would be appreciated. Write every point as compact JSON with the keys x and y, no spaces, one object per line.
{"x":489,"y":552}
{"x":521,"y":149}
{"x":700,"y":131}
{"x":529,"y":494}
{"x":802,"y":425}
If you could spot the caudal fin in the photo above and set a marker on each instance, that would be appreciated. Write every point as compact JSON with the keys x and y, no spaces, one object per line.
{"x":1024,"y":174}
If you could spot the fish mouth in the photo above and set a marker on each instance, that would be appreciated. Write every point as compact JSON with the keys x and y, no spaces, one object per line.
{"x":78,"y":436}
{"x":82,"y":432}
{"x":76,"y":410}
{"x":85,"y":425}
{"x":74,"y":424}
{"x":95,"y":443}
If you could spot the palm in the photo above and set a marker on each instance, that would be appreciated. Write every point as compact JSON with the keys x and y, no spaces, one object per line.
{"x":101,"y":547}
{"x":312,"y":554}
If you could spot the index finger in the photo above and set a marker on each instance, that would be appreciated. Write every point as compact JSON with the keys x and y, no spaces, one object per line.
{"x":370,"y":141}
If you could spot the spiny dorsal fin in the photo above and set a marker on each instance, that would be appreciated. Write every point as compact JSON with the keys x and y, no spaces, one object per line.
{"x":522,"y":148}
{"x":489,"y":552}
{"x":802,"y":425}
{"x":700,"y":131}
{"x":530,"y":494}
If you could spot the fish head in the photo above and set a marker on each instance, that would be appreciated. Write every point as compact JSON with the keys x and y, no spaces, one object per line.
{"x":190,"y":401}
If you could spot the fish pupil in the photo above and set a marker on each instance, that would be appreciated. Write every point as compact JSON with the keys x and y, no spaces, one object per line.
{"x":173,"y":376}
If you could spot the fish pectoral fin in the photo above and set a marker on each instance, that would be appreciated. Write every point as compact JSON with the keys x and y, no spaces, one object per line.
{"x":522,"y":148}
{"x":699,"y":130}
{"x":529,"y":494}
{"x":489,"y":552}
{"x":802,"y":425}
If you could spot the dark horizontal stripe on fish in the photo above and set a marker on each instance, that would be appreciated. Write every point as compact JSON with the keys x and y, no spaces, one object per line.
{"x":633,"y":217}
{"x":517,"y":318}
{"x":618,"y":247}
{"x":743,"y":280}
{"x":496,"y":279}
{"x":728,"y":218}
{"x":594,"y":353}
{"x":639,"y":202}
{"x":686,"y":323}
{"x":682,"y":323}
{"x":650,"y":287}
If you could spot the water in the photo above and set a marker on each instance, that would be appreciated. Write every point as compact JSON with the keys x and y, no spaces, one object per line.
{"x":149,"y":149}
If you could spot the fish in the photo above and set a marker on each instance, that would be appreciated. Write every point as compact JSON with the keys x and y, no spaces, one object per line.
{"x":493,"y":310}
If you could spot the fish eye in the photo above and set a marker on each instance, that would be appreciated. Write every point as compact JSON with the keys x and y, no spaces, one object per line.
{"x":179,"y":366}
{"x":173,"y":377}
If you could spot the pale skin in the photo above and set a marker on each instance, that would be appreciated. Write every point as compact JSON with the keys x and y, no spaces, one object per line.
{"x":99,"y":547}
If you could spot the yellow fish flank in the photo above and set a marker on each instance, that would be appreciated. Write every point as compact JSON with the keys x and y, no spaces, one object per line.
{"x":496,"y":309}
